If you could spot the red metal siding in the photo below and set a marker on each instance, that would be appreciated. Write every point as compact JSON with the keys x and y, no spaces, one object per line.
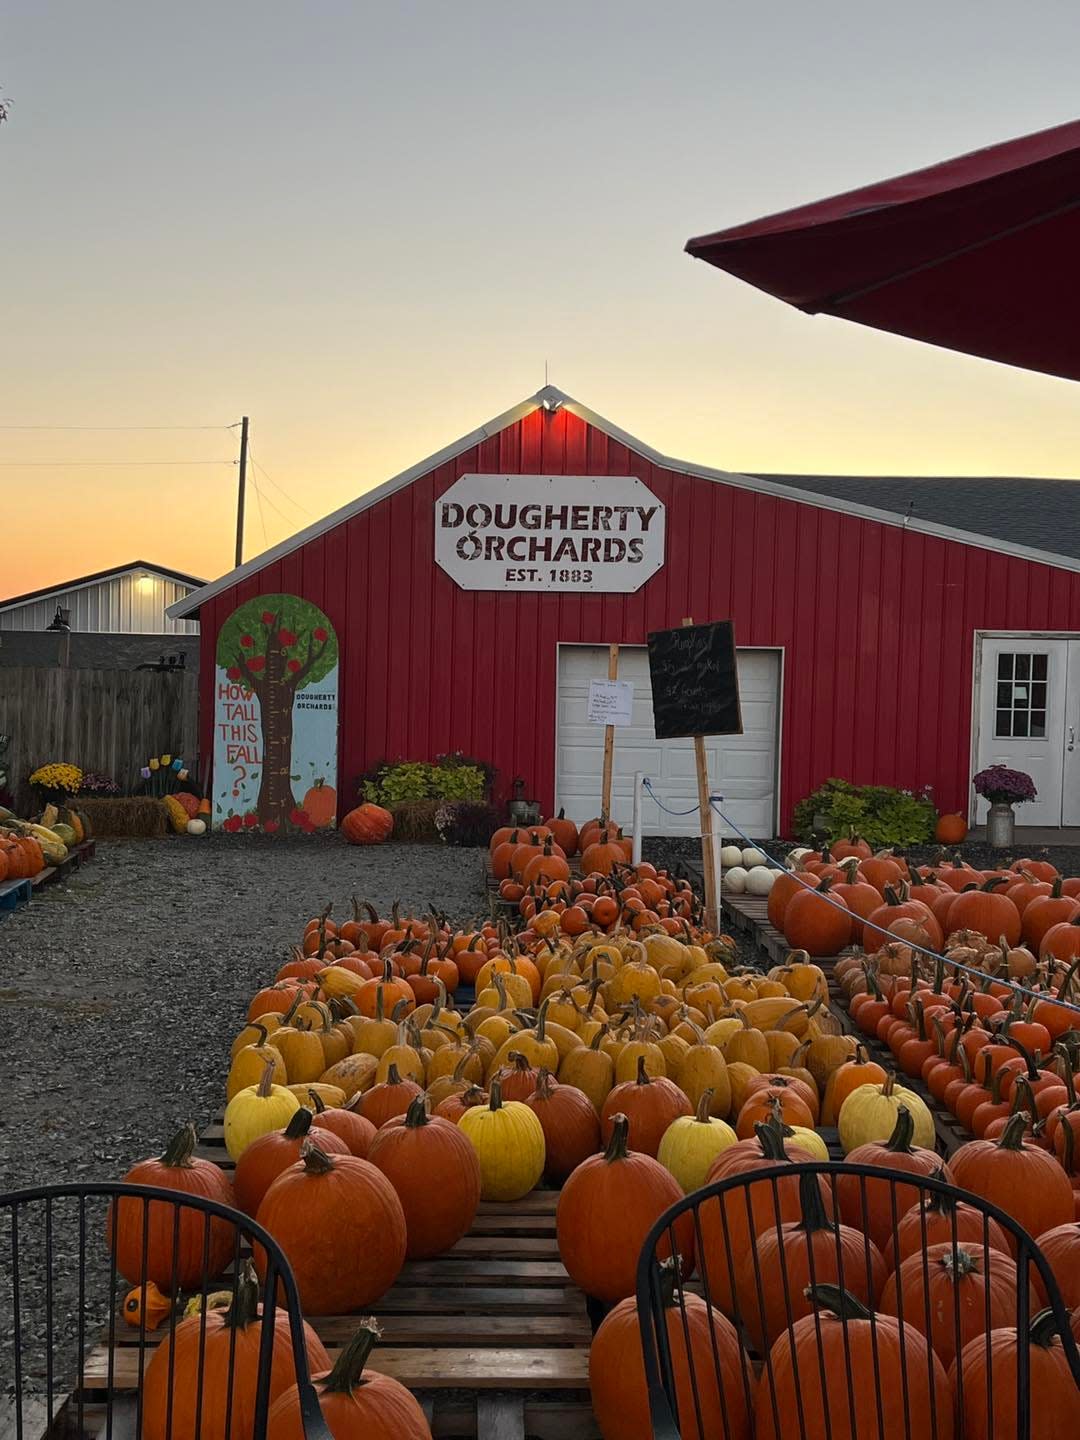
{"x":877,"y":624}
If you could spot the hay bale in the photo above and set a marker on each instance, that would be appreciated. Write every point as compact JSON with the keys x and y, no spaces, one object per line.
{"x":139,"y":816}
{"x":414,"y":820}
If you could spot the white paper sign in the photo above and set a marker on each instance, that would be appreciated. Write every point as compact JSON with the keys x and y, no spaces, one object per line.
{"x":549,"y":532}
{"x":610,"y":702}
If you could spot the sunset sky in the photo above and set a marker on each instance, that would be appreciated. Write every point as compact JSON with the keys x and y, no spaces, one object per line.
{"x":368,"y":226}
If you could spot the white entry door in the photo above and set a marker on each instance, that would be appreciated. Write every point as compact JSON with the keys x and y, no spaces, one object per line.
{"x":1029,"y":719}
{"x":743,"y":768}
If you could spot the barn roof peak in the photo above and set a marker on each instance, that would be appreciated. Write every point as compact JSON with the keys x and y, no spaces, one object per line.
{"x":550,"y":397}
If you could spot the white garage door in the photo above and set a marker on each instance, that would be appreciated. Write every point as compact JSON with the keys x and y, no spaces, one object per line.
{"x":741,"y":767}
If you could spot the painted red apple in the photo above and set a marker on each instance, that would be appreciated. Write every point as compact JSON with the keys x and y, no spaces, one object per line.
{"x":286,"y":637}
{"x":233,"y":672}
{"x":232,"y":824}
{"x":320,"y":634}
{"x":293,"y":666}
{"x":297,"y":816}
{"x":256,"y":663}
{"x":271,"y":827}
{"x":251,"y":820}
{"x":266,"y":617}
{"x":246,"y":641}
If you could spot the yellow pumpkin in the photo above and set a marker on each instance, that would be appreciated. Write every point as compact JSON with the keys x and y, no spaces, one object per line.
{"x":256,"y":1111}
{"x":565,"y":1040}
{"x":826,"y":1053}
{"x":691,"y":1143}
{"x":800,"y":978}
{"x":590,"y":1069}
{"x":248,"y":1066}
{"x":870,"y":1111}
{"x":806,"y":1139}
{"x":256,"y":1032}
{"x":740,"y":1078}
{"x":626,"y":1062}
{"x":302,"y":1052}
{"x":332,"y":1096}
{"x":673,"y":1048}
{"x":637,"y":980}
{"x":704,"y":1068}
{"x":509,"y":1143}
{"x":337,"y":982}
{"x":748,"y":1046}
{"x":533,"y":1044}
{"x":354,"y":1074}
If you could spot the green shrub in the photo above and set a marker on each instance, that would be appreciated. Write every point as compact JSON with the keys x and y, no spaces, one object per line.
{"x":881,"y":815}
{"x":451,"y":778}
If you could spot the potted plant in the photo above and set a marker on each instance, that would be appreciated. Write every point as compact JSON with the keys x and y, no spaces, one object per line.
{"x":1003,"y":788}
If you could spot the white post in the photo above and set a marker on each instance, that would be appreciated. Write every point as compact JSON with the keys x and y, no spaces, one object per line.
{"x":635,"y":854}
{"x":717,"y":845}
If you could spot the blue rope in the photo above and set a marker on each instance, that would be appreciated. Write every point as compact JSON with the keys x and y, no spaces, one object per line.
{"x":667,"y":808}
{"x":881,"y":930}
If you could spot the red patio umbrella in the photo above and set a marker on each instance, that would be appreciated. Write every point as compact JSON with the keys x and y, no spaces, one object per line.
{"x":978,"y":254}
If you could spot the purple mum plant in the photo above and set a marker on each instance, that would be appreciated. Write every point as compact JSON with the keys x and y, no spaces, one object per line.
{"x":1002,"y":786}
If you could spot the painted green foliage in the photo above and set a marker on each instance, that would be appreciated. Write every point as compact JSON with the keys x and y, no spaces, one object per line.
{"x":275,"y":645}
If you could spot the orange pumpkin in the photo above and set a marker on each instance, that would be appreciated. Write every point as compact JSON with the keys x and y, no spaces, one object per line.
{"x":436,"y":1173}
{"x":367,"y":825}
{"x":951,"y":829}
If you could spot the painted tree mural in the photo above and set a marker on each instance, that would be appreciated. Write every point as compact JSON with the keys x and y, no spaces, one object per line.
{"x":276,"y":646}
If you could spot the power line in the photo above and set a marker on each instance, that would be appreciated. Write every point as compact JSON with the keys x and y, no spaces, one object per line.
{"x":258,"y":502}
{"x":120,"y":427}
{"x":19,"y":464}
{"x":279,"y":488}
{"x":270,"y":502}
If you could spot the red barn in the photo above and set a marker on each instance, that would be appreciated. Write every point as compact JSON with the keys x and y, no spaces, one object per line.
{"x":893,"y":631}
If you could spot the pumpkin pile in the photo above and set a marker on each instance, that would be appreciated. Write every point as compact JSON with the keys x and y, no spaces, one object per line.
{"x":532,"y":866}
{"x":1023,"y":917}
{"x":28,"y":846}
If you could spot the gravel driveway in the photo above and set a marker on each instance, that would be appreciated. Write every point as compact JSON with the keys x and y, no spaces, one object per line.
{"x":121,"y":990}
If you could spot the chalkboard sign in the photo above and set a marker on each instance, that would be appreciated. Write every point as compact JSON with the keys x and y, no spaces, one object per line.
{"x":695,"y":684}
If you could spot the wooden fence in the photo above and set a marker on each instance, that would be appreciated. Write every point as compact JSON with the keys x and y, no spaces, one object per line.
{"x":107,"y":720}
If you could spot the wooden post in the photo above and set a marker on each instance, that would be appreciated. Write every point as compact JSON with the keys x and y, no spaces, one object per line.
{"x":240,"y":491}
{"x":708,"y":856}
{"x":609,"y":740}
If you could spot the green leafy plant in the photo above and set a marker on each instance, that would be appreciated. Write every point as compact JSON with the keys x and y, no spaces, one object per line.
{"x":881,"y":815}
{"x":451,"y":778}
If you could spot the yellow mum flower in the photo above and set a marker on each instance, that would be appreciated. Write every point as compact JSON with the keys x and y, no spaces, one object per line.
{"x":154,"y":765}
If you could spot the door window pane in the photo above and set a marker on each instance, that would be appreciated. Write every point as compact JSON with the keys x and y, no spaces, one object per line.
{"x":1022,"y":695}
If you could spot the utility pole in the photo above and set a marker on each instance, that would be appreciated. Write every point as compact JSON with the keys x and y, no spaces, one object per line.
{"x":240,"y":495}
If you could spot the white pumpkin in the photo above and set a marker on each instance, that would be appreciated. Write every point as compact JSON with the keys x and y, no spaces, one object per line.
{"x":734,"y":880}
{"x":752,"y":857}
{"x":730,"y":855}
{"x":798,"y":853}
{"x":759,"y":881}
{"x":196,"y":827}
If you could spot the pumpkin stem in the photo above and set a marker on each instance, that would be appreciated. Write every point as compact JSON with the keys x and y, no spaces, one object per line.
{"x":348,"y":1371}
{"x":643,"y":1077}
{"x":393,"y":1074}
{"x":704,"y":1105}
{"x":299,"y":1124}
{"x":958,"y":1263}
{"x":495,"y":1100}
{"x":318,"y":1105}
{"x":417,"y":1114}
{"x":244,"y":1309}
{"x":770,"y":1137}
{"x":812,"y":1205}
{"x":838,"y":1302}
{"x":899,"y":1142}
{"x":181,"y":1147}
{"x":888,"y":1083}
{"x":545,"y":1080}
{"x":316,"y":1161}
{"x":1012,"y":1137}
{"x":618,"y":1145}
{"x":266,"y":1081}
{"x":1043,"y":1329}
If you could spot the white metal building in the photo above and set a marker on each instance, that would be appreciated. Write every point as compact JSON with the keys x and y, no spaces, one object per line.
{"x":128,"y":599}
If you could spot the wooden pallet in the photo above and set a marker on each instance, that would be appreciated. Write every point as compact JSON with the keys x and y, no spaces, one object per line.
{"x":14,"y":893}
{"x":492,"y":1336}
{"x":749,"y":914}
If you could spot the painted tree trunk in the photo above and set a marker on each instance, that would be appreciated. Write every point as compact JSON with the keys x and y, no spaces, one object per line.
{"x":276,"y":694}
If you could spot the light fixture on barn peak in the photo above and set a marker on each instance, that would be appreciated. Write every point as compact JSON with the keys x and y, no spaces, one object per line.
{"x":550,"y":399}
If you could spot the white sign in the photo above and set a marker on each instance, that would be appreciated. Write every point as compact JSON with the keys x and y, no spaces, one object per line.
{"x":549,"y":532}
{"x":610,"y":702}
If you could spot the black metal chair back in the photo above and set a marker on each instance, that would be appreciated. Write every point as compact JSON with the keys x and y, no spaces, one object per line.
{"x":71,"y":1258}
{"x":790,"y":1325}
